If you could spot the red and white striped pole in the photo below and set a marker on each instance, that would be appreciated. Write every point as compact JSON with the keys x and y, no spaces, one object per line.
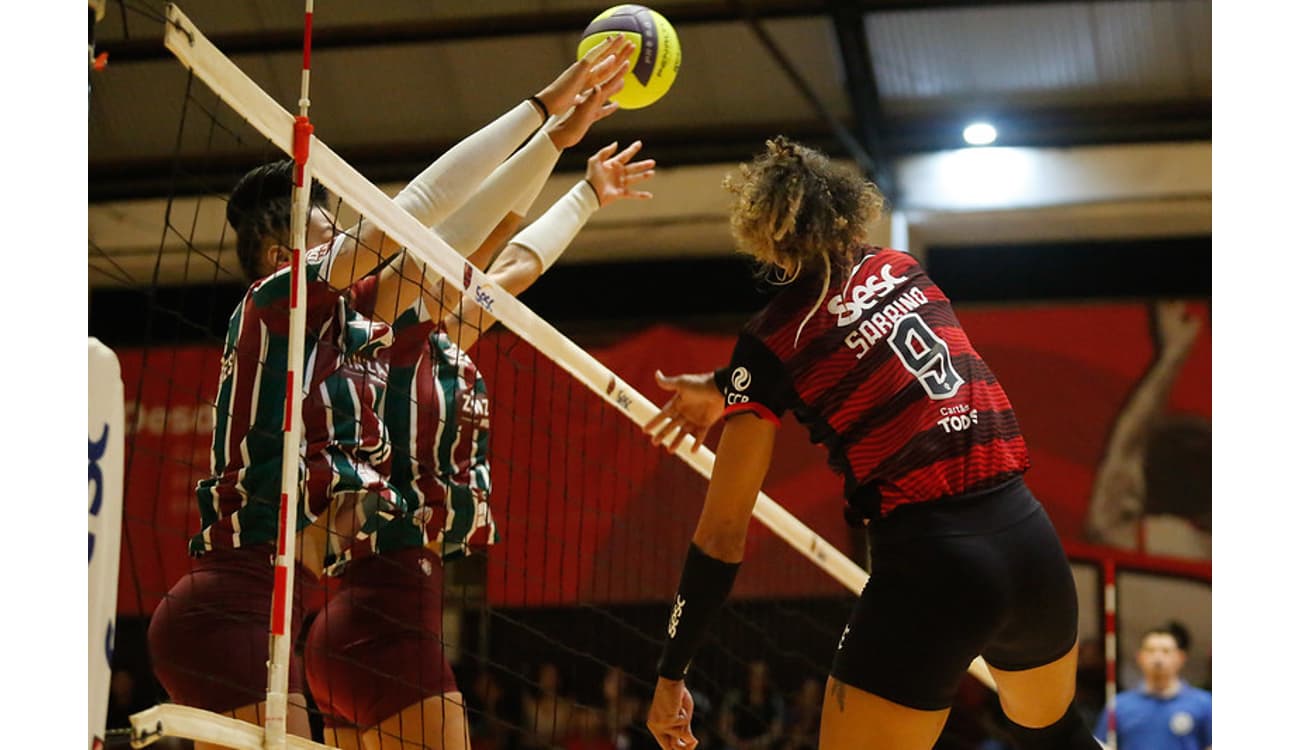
{"x":1108,"y":573}
{"x":282,"y":635}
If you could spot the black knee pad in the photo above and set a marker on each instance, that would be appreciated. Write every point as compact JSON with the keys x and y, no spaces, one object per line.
{"x":1068,"y":733}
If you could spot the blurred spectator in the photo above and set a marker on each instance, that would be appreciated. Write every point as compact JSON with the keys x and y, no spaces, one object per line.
{"x":619,"y":705}
{"x":1165,"y":713}
{"x":487,"y":712}
{"x":586,"y":730}
{"x":1090,"y":685}
{"x":705,"y":721}
{"x":753,"y":719}
{"x":545,"y":716}
{"x":805,"y":716}
{"x":124,"y":699}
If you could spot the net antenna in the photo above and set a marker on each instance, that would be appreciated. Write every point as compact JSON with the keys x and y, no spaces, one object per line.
{"x":315,"y":160}
{"x":277,"y":677}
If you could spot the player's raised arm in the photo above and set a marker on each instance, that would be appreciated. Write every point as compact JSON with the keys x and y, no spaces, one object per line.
{"x":610,"y":177}
{"x":446,"y":184}
{"x":503,"y":199}
{"x":717,"y":547}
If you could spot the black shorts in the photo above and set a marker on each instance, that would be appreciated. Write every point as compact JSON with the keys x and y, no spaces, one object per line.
{"x":978,"y":575}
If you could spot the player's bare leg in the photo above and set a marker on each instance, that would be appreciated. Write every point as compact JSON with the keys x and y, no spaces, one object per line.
{"x":296,"y":722}
{"x":854,"y":719}
{"x":1037,"y":697}
{"x":1040,"y":703}
{"x":437,"y":722}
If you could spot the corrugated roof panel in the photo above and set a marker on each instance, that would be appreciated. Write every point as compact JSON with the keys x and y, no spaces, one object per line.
{"x":1055,"y":53}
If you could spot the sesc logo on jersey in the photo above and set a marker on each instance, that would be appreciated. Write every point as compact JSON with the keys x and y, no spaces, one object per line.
{"x":863,"y":297}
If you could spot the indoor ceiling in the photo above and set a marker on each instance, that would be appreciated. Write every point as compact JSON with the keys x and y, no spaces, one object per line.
{"x":396,"y":81}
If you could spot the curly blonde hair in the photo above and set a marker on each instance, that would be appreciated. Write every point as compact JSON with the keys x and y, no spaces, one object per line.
{"x":792,"y":206}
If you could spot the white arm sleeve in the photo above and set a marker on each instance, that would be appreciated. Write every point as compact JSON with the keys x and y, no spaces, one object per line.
{"x":554,"y":230}
{"x":534,"y":188}
{"x":446,"y":184}
{"x":516,"y":181}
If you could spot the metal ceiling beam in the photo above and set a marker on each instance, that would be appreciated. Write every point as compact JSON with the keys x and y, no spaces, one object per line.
{"x":326,"y":37}
{"x":864,"y":95}
{"x":847,"y":139}
{"x":1056,"y":127}
{"x":1059,"y":127}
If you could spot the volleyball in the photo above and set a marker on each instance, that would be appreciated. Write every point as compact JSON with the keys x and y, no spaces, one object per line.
{"x":656,"y":60}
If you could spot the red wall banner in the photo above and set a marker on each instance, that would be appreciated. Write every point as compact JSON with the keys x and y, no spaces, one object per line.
{"x":1114,"y":401}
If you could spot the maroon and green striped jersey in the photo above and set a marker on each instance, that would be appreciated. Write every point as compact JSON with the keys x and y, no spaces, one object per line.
{"x":884,"y":377}
{"x":344,"y":446}
{"x":436,"y":410}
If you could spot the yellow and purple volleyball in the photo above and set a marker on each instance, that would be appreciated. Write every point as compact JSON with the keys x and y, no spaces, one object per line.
{"x":656,"y":60}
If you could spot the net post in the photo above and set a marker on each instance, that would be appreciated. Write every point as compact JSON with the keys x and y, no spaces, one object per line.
{"x":275,"y":736}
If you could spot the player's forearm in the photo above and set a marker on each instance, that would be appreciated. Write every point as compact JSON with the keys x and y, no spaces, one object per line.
{"x":744,"y":453}
{"x":446,"y":184}
{"x":511,"y":188}
{"x":549,"y":236}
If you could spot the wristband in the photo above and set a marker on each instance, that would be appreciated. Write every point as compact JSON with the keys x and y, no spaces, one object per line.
{"x":540,"y":105}
{"x":706,"y":582}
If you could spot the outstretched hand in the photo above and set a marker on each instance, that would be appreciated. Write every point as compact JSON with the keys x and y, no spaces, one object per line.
{"x":669,"y":717}
{"x":593,"y":106}
{"x":695,"y":407}
{"x":597,"y":69}
{"x":612,"y":176}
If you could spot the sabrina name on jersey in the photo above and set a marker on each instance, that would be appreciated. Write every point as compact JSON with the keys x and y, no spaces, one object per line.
{"x":862,"y":299}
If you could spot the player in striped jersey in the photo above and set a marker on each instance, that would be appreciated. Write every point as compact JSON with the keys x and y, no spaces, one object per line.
{"x":224,"y":603}
{"x":868,"y":354}
{"x":375,"y":660}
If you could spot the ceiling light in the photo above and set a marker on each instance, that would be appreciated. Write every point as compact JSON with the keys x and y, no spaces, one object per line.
{"x":980,"y":134}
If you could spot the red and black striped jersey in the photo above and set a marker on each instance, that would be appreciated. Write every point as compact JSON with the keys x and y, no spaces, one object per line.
{"x":882,"y":374}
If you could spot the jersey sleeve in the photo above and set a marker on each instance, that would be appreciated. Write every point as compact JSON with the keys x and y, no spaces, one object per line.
{"x":276,"y":291}
{"x":755,"y":381}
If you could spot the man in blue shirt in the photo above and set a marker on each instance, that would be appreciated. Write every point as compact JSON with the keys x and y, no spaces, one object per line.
{"x":1165,"y":713}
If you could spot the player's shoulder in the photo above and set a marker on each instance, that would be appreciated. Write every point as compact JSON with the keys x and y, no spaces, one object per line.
{"x":1127,"y":698}
{"x":272,"y":289}
{"x":1196,"y":695}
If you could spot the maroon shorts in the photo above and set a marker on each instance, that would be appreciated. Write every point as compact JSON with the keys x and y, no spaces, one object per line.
{"x":377,"y":647}
{"x":209,"y":637}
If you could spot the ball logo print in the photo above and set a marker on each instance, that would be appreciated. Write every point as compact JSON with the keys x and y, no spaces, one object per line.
{"x":657,"y":57}
{"x":740,"y":378}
